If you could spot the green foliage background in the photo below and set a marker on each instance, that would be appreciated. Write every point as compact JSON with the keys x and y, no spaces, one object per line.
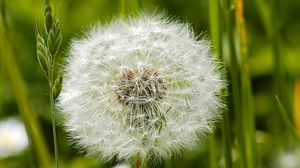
{"x":272,"y":136}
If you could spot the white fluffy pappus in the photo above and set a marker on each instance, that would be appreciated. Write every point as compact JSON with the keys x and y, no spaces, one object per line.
{"x":142,"y":86}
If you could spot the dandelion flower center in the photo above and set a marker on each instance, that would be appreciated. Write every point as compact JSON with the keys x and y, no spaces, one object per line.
{"x":140,"y":91}
{"x":140,"y":87}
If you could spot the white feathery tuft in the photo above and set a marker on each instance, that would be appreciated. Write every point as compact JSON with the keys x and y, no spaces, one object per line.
{"x":141,"y":86}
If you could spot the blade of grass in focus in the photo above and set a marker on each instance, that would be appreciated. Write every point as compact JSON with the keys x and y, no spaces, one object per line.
{"x":216,"y":28}
{"x":20,"y":91}
{"x":48,"y":45}
{"x":213,"y":8}
{"x":235,"y":81}
{"x":242,"y":99}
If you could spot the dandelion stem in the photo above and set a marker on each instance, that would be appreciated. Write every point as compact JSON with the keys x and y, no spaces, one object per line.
{"x":137,"y":161}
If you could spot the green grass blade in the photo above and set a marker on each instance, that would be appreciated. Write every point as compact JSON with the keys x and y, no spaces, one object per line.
{"x":22,"y":97}
{"x":216,"y":29}
{"x":247,"y":102}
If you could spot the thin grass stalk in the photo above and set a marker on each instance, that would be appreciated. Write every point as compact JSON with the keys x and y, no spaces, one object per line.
{"x":227,"y":141}
{"x":247,"y":111}
{"x":234,"y":70}
{"x":214,"y":28}
{"x":217,"y":28}
{"x":137,"y":162}
{"x":248,"y":118}
{"x":53,"y":117}
{"x":213,"y":157}
{"x":26,"y":110}
{"x":48,"y":45}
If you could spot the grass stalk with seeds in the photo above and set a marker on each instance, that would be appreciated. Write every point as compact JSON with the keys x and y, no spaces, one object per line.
{"x":48,"y":44}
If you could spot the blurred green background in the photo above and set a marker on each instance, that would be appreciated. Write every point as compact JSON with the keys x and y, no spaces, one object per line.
{"x":273,"y":142}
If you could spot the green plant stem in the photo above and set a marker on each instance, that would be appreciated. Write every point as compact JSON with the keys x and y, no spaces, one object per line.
{"x":227,"y":141}
{"x":247,"y":102}
{"x":214,"y":28}
{"x":53,"y":116}
{"x":234,"y":70}
{"x":137,"y":161}
{"x":248,"y":119}
{"x":26,"y":110}
{"x":213,"y":158}
{"x":215,"y":25}
{"x":216,"y":13}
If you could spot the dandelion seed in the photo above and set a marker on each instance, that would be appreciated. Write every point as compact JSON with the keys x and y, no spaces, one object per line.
{"x":141,"y":86}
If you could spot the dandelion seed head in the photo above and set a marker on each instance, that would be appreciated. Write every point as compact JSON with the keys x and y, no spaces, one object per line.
{"x":141,"y":86}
